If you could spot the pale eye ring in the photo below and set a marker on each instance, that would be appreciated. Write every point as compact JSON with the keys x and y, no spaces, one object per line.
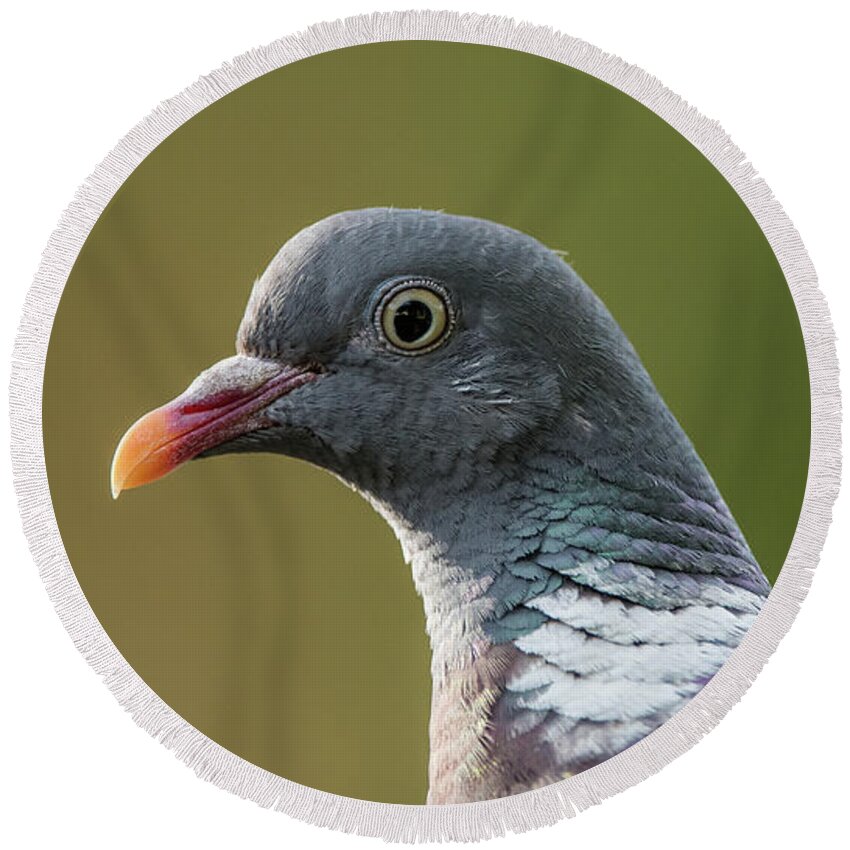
{"x":414,"y":316}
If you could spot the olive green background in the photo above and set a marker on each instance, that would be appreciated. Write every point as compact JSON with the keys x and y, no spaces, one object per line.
{"x":261,"y":599}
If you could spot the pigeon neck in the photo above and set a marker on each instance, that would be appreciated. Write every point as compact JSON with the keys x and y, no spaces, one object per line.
{"x":481,"y":550}
{"x":489,"y":554}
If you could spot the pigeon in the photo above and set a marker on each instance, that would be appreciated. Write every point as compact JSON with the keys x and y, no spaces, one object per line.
{"x":581,"y":575}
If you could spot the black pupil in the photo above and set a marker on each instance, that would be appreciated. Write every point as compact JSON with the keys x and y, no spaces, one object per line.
{"x":412,"y":320}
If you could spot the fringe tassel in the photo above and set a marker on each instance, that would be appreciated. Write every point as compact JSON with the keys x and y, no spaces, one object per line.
{"x":475,"y":821}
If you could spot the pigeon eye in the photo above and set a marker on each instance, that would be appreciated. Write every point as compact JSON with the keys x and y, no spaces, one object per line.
{"x":415,"y":317}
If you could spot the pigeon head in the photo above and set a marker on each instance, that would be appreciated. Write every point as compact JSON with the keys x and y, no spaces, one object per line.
{"x":399,"y":349}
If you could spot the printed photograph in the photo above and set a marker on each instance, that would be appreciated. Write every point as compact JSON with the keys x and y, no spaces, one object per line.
{"x":426,"y":422}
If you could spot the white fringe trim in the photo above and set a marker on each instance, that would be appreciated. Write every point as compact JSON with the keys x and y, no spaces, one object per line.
{"x":474,"y":821}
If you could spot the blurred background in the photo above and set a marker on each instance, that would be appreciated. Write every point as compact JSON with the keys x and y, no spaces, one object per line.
{"x":260,"y":598}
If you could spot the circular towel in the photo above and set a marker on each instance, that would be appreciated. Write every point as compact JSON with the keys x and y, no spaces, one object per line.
{"x":431,"y":176}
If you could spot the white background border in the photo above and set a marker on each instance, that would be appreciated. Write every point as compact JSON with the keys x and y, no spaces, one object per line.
{"x":772,"y":771}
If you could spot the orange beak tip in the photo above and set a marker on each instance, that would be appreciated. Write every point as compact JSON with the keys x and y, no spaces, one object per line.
{"x":138,"y":458}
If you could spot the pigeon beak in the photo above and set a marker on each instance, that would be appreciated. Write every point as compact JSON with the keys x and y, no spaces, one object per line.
{"x":225,"y":401}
